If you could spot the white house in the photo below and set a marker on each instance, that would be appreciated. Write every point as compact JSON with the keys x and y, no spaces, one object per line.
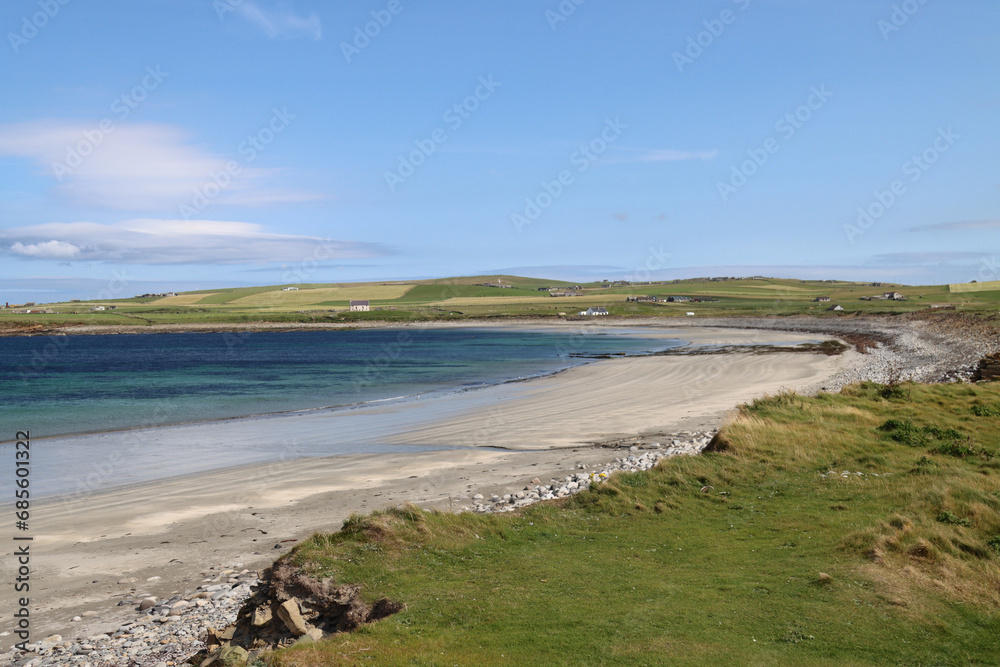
{"x":289,"y":289}
{"x":361,"y":305}
{"x":600,"y":310}
{"x":97,"y":308}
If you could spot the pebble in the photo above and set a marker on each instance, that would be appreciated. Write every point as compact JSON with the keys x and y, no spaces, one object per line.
{"x":164,"y":633}
{"x":682,"y":444}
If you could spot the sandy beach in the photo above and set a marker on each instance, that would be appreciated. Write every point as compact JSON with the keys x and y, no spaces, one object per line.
{"x":91,"y":551}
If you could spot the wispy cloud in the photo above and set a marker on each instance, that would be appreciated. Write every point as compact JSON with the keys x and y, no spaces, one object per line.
{"x":964,"y":225}
{"x":924,"y":258}
{"x":139,"y":167}
{"x":147,"y":241}
{"x":281,"y":23}
{"x":663,"y":155}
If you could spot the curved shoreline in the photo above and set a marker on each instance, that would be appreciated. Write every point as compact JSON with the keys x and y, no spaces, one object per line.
{"x":574,"y":359}
{"x":118,"y":537}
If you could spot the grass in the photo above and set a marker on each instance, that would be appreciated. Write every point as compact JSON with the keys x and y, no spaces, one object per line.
{"x":761,"y":552}
{"x":468,"y":298}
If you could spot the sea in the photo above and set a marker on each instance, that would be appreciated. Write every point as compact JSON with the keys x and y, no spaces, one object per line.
{"x":60,"y":386}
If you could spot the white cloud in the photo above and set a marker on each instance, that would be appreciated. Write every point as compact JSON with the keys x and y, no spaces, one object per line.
{"x":141,"y":167}
{"x":46,"y":250}
{"x":666,"y":155}
{"x":281,"y":24}
{"x":148,"y":241}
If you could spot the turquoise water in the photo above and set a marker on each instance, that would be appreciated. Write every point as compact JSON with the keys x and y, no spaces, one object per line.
{"x":83,"y":384}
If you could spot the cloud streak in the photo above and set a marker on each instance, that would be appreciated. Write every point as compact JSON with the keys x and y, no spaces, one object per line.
{"x":137,"y":167}
{"x":964,"y":225}
{"x":148,"y":241}
{"x":664,"y":155}
{"x":925,"y":258}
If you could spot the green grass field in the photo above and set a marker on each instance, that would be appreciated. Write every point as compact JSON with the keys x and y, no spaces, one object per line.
{"x":468,"y":297}
{"x":753,"y":555}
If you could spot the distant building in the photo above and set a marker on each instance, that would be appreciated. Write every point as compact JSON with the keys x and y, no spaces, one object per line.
{"x":690,"y":314}
{"x":170,"y":294}
{"x":837,"y":308}
{"x":641,"y":299}
{"x":96,"y":308}
{"x":590,"y":312}
{"x":893,"y":296}
{"x":678,"y":299}
{"x":362,"y":305}
{"x":289,"y":289}
{"x":565,"y":293}
{"x":822,"y":299}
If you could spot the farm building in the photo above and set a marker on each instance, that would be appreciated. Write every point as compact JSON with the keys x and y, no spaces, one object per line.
{"x":822,"y":299}
{"x":361,"y":305}
{"x":600,"y":310}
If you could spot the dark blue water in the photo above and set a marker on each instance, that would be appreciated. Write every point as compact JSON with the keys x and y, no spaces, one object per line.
{"x":80,"y":384}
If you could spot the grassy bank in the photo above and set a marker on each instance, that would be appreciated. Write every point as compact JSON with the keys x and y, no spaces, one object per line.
{"x":756,"y":554}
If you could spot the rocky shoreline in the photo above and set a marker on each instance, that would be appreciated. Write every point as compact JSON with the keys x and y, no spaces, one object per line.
{"x":164,"y":633}
{"x":684,"y":443}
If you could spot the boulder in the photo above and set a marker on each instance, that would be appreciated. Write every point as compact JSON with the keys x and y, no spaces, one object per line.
{"x":290,"y":615}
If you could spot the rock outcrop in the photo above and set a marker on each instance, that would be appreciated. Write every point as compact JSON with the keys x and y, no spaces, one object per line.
{"x":289,"y":607}
{"x":989,"y":368}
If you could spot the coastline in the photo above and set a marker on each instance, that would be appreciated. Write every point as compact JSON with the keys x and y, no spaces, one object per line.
{"x":75,"y":464}
{"x":175,"y":528}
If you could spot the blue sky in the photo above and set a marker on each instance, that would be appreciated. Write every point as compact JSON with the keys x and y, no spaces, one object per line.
{"x":184,"y":144}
